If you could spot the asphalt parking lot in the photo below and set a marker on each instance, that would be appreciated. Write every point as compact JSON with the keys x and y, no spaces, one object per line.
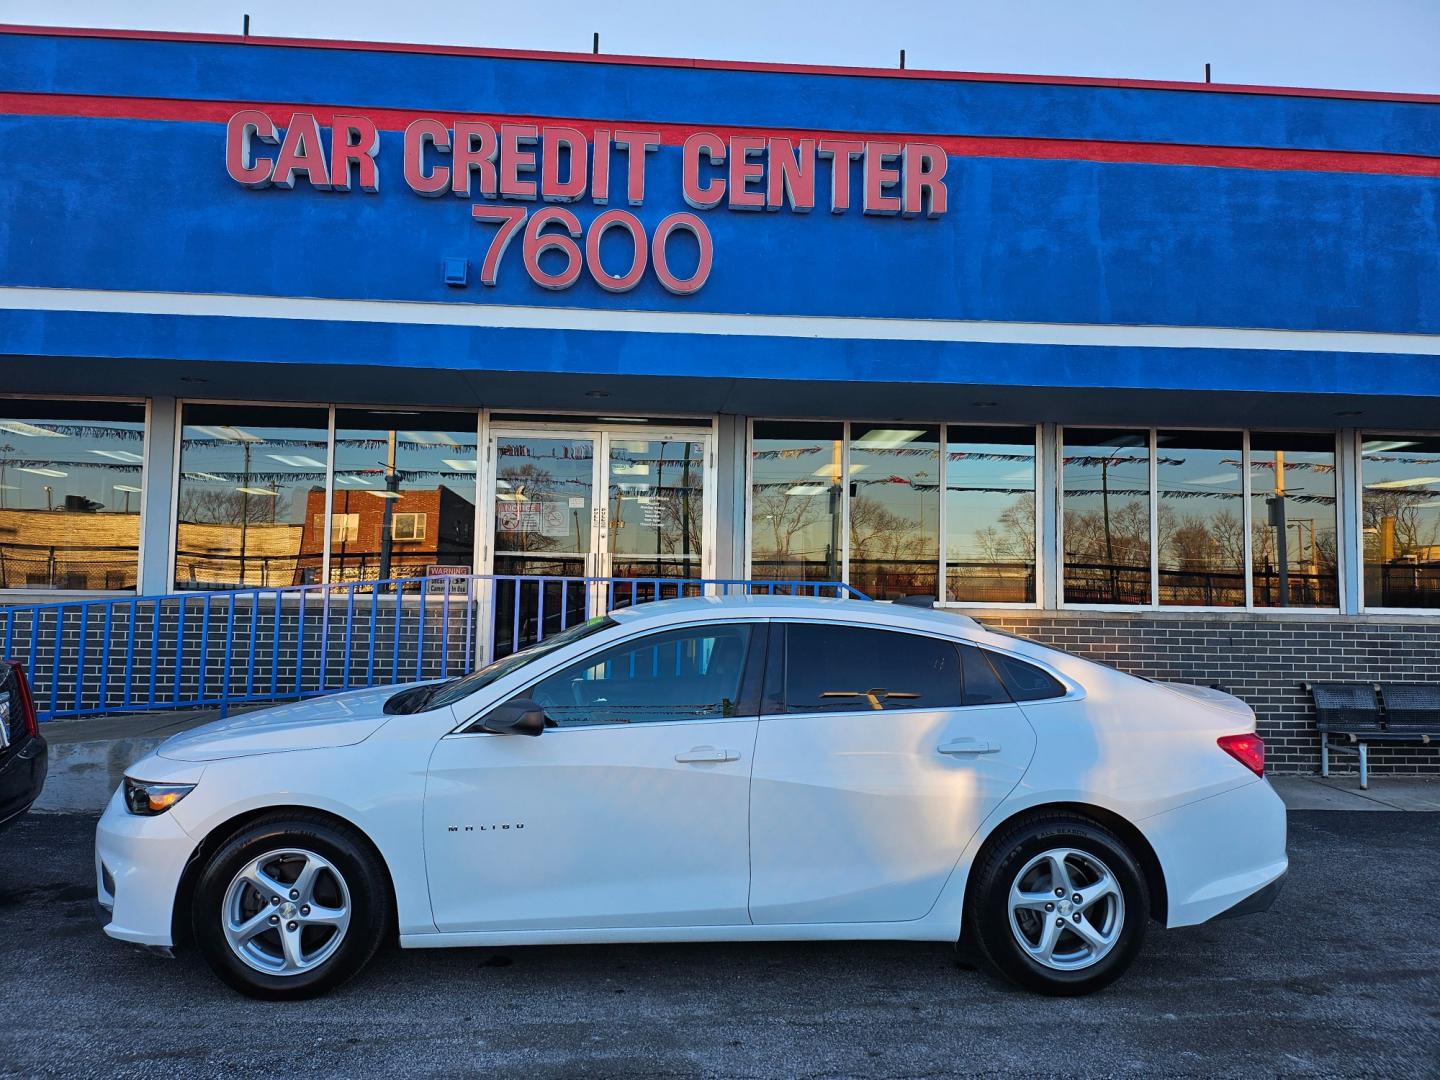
{"x":1342,"y":977}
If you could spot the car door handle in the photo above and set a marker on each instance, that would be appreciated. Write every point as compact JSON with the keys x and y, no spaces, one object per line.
{"x":705,"y":755}
{"x":960,"y":747}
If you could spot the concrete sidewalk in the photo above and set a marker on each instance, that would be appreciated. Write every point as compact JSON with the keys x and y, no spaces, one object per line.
{"x":1343,"y":792}
{"x":89,"y":756}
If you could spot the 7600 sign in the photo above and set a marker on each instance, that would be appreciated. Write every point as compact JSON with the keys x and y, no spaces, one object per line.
{"x":554,"y":228}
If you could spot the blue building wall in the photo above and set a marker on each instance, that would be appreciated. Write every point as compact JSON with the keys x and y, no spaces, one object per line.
{"x":94,"y":198}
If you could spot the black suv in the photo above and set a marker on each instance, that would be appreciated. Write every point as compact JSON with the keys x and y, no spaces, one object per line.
{"x":23,"y":755}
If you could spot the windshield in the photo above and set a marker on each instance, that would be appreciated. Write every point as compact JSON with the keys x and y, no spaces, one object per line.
{"x":447,"y":693}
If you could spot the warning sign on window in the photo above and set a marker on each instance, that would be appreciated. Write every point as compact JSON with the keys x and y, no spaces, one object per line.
{"x":538,"y":518}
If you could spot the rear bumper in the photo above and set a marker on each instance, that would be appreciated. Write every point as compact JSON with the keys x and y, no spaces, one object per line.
{"x":1256,"y":902}
{"x":22,"y":777}
{"x":1220,"y":853}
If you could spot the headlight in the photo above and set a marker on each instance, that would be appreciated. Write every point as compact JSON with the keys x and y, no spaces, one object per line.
{"x":143,"y":797}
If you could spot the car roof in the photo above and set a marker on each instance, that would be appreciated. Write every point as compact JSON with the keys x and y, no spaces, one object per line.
{"x":766,"y":606}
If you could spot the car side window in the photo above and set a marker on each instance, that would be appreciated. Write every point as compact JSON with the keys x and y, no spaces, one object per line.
{"x":982,"y":684}
{"x":691,"y":673}
{"x":1026,"y":682}
{"x":857,"y":669}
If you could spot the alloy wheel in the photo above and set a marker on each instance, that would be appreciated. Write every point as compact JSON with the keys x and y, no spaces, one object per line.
{"x":286,"y":912}
{"x":1066,"y":909}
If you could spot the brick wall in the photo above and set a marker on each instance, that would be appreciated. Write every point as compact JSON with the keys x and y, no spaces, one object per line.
{"x":1263,"y":660}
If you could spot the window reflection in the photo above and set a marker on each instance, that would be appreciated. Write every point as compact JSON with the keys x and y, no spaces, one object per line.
{"x":1401,"y":480}
{"x":894,"y":509}
{"x":248,"y":475}
{"x":990,"y":514}
{"x":656,"y":512}
{"x":795,"y":501}
{"x":1106,"y":508}
{"x":70,"y":479}
{"x":1201,"y":518}
{"x":1292,"y":520}
{"x":403,"y":497}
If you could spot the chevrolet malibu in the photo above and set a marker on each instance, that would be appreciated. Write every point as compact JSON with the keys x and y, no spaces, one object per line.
{"x":750,"y":769}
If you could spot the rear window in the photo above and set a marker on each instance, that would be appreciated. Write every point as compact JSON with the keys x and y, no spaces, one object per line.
{"x":857,"y":668}
{"x":1026,"y":682}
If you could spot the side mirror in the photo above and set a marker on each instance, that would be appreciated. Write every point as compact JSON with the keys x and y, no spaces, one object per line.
{"x":518,"y":716}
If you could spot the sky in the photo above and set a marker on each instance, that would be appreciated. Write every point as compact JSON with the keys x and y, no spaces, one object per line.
{"x":1340,"y":44}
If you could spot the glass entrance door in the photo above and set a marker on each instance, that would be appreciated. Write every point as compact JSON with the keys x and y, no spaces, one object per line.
{"x":597,"y":516}
{"x":655,"y":497}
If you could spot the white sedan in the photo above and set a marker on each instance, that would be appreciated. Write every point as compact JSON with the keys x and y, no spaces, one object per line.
{"x":752,"y":769}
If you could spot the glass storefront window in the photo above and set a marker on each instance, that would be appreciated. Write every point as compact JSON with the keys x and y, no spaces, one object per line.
{"x":251,"y":478}
{"x":1201,"y":518}
{"x":1105,"y":502}
{"x":796,"y":500}
{"x":1292,"y":520}
{"x":990,"y":514}
{"x":70,"y":483}
{"x":656,"y":489}
{"x":894,"y":509}
{"x":1400,"y":476}
{"x":403,"y":496}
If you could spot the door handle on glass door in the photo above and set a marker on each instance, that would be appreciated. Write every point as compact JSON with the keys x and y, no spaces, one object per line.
{"x":968,"y":746}
{"x":706,"y":755}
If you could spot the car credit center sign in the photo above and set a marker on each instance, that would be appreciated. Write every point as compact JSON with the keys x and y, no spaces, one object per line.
{"x":526,"y":162}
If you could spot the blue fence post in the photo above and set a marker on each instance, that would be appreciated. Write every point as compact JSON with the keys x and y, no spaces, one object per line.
{"x":275,"y":644}
{"x":420,"y":633}
{"x":349,"y":632}
{"x":78,"y":705}
{"x":374,"y":626}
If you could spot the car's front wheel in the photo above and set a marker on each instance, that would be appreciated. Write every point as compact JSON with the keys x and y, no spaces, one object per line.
{"x":290,"y":907}
{"x":1058,"y":905}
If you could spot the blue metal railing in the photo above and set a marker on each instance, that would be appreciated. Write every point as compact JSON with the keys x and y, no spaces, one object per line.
{"x":242,"y":646}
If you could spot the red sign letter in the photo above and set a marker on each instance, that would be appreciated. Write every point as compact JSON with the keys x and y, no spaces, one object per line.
{"x":706,"y":196}
{"x":600,"y":169}
{"x":878,"y":177}
{"x":924,"y":180}
{"x":417,"y":136}
{"x":475,"y":148}
{"x":552,"y":188}
{"x":636,"y":145}
{"x":239,"y":163}
{"x":514,"y":161}
{"x":743,"y":170}
{"x":302,"y":152}
{"x":791,"y":178}
{"x":840,"y":152}
{"x":354,"y":139}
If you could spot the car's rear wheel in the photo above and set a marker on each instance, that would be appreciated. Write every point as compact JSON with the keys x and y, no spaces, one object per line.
{"x":1058,"y":905}
{"x":290,"y":907}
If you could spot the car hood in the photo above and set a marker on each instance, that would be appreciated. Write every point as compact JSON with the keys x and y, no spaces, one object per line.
{"x":334,"y":720}
{"x":1215,"y":700}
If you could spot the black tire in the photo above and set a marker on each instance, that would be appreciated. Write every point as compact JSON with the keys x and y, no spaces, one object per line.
{"x":988,"y":917}
{"x":353,"y":867}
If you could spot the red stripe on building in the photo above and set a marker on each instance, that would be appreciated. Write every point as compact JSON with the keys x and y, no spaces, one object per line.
{"x":1146,"y":153}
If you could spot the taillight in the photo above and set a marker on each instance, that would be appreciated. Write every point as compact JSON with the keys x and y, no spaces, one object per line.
{"x":1249,"y":750}
{"x":26,"y":702}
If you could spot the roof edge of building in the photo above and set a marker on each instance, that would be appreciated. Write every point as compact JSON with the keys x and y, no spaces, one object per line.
{"x":715,"y":65}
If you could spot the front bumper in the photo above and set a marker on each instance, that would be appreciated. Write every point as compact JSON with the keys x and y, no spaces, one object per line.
{"x":139,"y":862}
